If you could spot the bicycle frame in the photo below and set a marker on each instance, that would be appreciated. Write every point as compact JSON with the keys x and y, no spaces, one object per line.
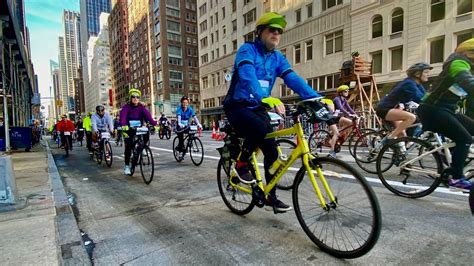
{"x":301,"y":151}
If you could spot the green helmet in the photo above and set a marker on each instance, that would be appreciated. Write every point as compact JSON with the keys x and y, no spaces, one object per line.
{"x":134,"y":91}
{"x":271,"y":19}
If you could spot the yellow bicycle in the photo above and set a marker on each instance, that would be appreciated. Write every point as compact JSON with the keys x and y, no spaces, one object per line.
{"x":333,"y":202}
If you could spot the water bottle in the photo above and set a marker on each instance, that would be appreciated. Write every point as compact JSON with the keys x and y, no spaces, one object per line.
{"x":279,"y":163}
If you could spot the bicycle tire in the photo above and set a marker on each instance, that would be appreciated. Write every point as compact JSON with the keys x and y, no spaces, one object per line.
{"x":98,"y":155}
{"x":287,"y":180}
{"x":196,"y":149}
{"x":419,"y":184}
{"x":147,"y":166}
{"x":353,"y":138}
{"x":471,"y":201}
{"x":66,"y":147}
{"x":338,"y":218}
{"x":108,"y":153}
{"x":168,"y":134}
{"x":177,"y":154}
{"x":161,"y":134}
{"x":317,"y":140}
{"x":238,"y":202}
{"x":363,"y":155}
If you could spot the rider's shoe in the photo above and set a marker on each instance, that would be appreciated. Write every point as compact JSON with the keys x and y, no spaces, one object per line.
{"x":126,"y":170}
{"x":244,"y":174}
{"x":461,"y":184}
{"x":278,"y":204}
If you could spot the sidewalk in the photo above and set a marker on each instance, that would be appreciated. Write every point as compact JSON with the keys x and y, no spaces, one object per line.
{"x":40,"y":229}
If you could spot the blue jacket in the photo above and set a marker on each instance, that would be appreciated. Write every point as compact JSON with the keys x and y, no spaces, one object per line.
{"x":405,"y":91}
{"x":185,"y":115}
{"x":255,"y":71}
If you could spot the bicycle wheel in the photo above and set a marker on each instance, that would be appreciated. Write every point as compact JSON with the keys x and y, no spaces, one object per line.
{"x":168,"y":134}
{"x":196,"y":151}
{"x":66,"y":147}
{"x":414,"y":180}
{"x":319,"y":140}
{"x":236,"y":200}
{"x":178,"y":156}
{"x":365,"y":150}
{"x":161,"y":133}
{"x":108,"y":155}
{"x":98,"y":155}
{"x":354,"y":136}
{"x":147,"y":166}
{"x":133,"y":161}
{"x":347,"y":228}
{"x":287,"y":180}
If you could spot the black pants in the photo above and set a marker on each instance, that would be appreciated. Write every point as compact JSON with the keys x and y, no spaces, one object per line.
{"x":457,"y":127}
{"x":180,"y":132}
{"x":129,"y":144}
{"x":89,"y":140}
{"x":66,"y":138}
{"x":253,"y":125}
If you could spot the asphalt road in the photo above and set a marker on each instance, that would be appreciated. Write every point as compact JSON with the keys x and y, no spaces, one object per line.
{"x":180,"y":218}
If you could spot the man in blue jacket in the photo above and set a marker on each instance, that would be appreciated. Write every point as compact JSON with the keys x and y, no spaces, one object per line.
{"x":256,"y":67}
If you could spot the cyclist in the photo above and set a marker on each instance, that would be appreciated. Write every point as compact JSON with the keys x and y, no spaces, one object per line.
{"x":118,"y":129}
{"x":65,"y":125}
{"x":80,"y":129}
{"x":332,"y":126}
{"x":164,"y":122}
{"x":133,"y":110}
{"x":101,"y":122}
{"x":408,"y":92}
{"x":437,"y":111}
{"x":256,"y":67}
{"x":184,"y":113}
{"x":343,"y":109}
{"x":87,"y":124}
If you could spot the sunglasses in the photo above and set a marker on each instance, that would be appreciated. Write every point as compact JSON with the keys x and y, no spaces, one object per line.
{"x":135,"y":97}
{"x":275,"y":30}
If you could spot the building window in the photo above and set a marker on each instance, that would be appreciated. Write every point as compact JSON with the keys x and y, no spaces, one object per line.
{"x":437,"y":10}
{"x":309,"y":50}
{"x":224,"y":49}
{"x":205,"y":82}
{"x":297,"y":54}
{"x":234,"y":25}
{"x":223,"y":13}
{"x":174,"y":51}
{"x":437,"y":50}
{"x":309,"y":10}
{"x":246,"y":1}
{"x":234,"y":6}
{"x":376,"y":62}
{"x":283,"y":52}
{"x":249,"y":37}
{"x":322,"y":83}
{"x":249,"y":17}
{"x":204,"y":42}
{"x":173,"y":26}
{"x":203,"y":26}
{"x":173,"y":3}
{"x":330,"y":3}
{"x":464,"y":6}
{"x":285,"y":91}
{"x":377,"y":26}
{"x":464,"y":36}
{"x":397,"y":58}
{"x":204,"y":58}
{"x":176,"y":75}
{"x":298,"y":15}
{"x":334,"y":42}
{"x":234,"y":45}
{"x":202,"y":10}
{"x":223,"y":30}
{"x":397,"y":20}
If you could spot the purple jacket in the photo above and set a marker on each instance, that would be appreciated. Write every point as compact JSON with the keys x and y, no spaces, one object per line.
{"x":131,"y":112}
{"x":343,"y":106}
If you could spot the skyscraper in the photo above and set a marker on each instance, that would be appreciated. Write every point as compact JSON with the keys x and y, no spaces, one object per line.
{"x":62,"y":93}
{"x":72,"y":48}
{"x":90,"y":11}
{"x":56,"y":87}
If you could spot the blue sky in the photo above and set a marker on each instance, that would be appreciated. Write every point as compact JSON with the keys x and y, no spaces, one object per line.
{"x":44,"y":20}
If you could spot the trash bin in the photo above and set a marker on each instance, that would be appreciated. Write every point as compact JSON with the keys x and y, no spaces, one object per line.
{"x":20,"y":138}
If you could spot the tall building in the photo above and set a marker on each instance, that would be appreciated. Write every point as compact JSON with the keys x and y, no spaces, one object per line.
{"x":140,"y":47}
{"x":62,"y":95}
{"x":55,"y":90}
{"x":90,"y":11}
{"x":97,"y":90}
{"x":119,"y":54}
{"x":175,"y":59}
{"x":72,"y":48}
{"x":79,"y":98}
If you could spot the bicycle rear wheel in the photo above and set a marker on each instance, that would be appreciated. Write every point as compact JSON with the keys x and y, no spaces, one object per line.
{"x":196,"y":151}
{"x":108,"y":155}
{"x":319,"y":140}
{"x":365,"y":150}
{"x":236,"y":200}
{"x":414,"y":180}
{"x":147,"y":166}
{"x":354,"y":136}
{"x":286,"y":147}
{"x":347,"y":228}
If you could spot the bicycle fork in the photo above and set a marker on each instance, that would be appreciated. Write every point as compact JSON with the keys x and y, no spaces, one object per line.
{"x":333,"y":201}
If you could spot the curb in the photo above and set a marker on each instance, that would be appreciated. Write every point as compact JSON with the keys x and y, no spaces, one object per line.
{"x":70,"y":248}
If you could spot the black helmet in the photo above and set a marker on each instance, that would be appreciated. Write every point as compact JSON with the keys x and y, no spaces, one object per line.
{"x":99,"y":107}
{"x":314,"y":111}
{"x":184,"y":98}
{"x":413,"y":70}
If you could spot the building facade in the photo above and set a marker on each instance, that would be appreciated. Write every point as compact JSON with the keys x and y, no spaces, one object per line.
{"x":175,"y":54}
{"x":72,"y":52}
{"x":119,"y":54}
{"x":55,"y":90}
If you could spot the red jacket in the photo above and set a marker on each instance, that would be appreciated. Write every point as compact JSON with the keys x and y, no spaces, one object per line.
{"x":65,"y":126}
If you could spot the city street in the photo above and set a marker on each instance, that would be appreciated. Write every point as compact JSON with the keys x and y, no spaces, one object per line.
{"x":180,"y":218}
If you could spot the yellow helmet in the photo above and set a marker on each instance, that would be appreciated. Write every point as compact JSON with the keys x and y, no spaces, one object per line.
{"x":342,"y":88}
{"x":91,"y":113}
{"x":327,"y":101}
{"x":466,"y":46}
{"x":134,"y":91}
{"x":271,"y":19}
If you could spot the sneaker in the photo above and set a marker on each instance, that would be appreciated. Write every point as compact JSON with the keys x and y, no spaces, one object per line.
{"x":126,"y":170}
{"x":278,"y":204}
{"x":461,"y":184}
{"x":244,"y":174}
{"x":332,"y":155}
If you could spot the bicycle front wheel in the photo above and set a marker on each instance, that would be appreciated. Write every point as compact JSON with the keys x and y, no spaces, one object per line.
{"x":196,"y":151}
{"x":417,"y":179}
{"x":108,"y":153}
{"x":366,"y":150}
{"x":346,"y":228}
{"x":354,"y":136}
{"x":286,"y":146}
{"x":178,"y":156}
{"x":147,"y":166}
{"x":238,"y":201}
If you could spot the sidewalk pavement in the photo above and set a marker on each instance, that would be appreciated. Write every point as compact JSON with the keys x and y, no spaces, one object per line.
{"x":40,"y":229}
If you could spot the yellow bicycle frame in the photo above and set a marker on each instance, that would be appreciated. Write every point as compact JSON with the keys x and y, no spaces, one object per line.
{"x":301,"y":151}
